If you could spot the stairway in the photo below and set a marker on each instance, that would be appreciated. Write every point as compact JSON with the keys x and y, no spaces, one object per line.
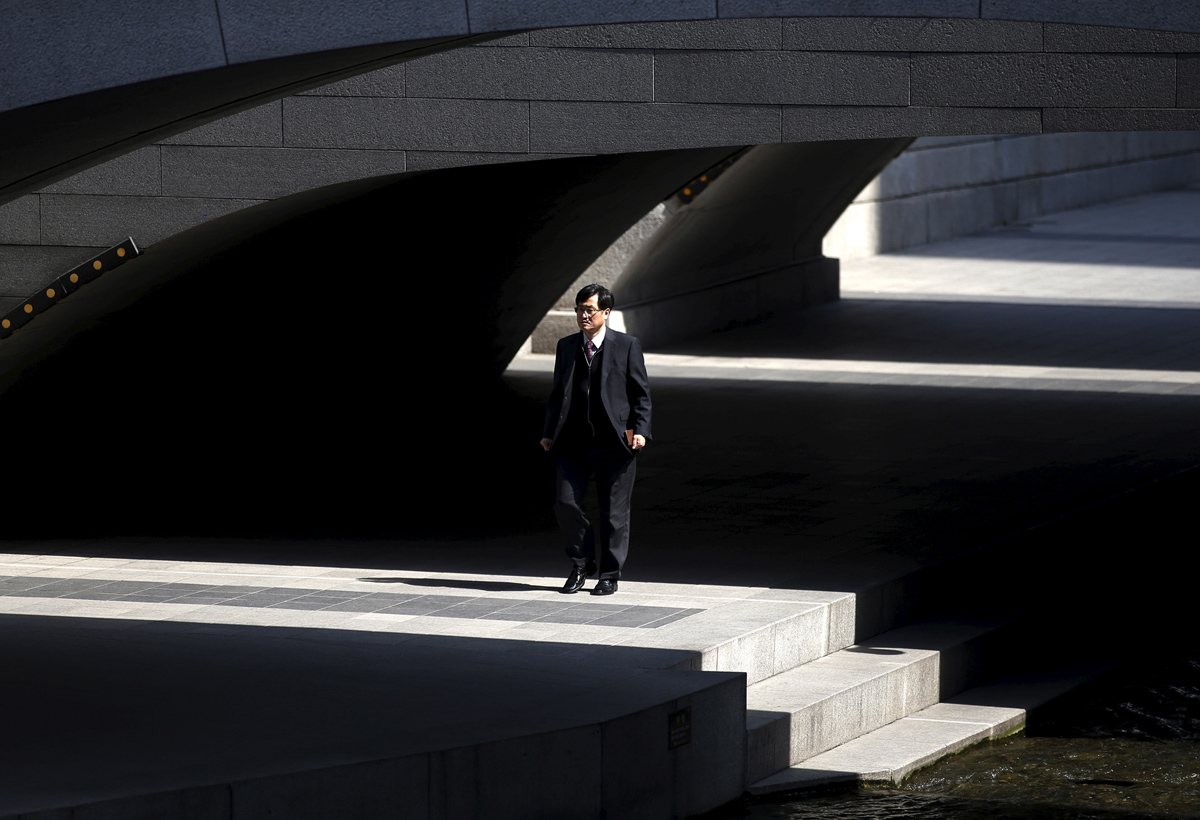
{"x":818,"y":706}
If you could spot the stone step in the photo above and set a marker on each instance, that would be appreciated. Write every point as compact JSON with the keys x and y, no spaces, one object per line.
{"x":796,"y":715}
{"x":762,"y":636}
{"x":891,"y":753}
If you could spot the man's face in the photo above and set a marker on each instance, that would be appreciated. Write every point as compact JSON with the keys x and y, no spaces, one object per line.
{"x":590,"y":325}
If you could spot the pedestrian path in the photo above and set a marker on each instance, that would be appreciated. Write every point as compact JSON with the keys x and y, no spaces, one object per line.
{"x":225,"y":676}
{"x":911,"y":374}
{"x":695,"y":627}
{"x":1139,"y":252}
{"x":1096,"y":300}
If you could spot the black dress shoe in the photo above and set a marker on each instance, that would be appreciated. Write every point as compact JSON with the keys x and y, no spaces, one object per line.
{"x":605,"y":586}
{"x":578,"y":577}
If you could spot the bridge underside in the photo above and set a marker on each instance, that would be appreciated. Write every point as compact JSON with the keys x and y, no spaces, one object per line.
{"x":271,"y":356}
{"x":78,"y":90}
{"x":280,"y":347}
{"x":51,"y":140}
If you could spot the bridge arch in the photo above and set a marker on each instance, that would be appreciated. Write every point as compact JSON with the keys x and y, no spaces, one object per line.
{"x":277,"y":348}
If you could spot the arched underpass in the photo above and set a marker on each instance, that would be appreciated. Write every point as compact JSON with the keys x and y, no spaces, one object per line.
{"x":241,"y":349}
{"x":289,"y":339}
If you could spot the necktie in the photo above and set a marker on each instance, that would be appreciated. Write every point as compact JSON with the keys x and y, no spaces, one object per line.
{"x":589,"y":349}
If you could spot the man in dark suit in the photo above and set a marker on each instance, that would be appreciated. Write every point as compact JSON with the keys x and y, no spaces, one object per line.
{"x":597,"y":419}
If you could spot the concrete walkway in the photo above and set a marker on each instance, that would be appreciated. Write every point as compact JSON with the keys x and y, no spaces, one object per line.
{"x":127,"y":678}
{"x":804,"y":472}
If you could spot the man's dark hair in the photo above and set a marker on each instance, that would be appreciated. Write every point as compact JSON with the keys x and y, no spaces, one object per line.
{"x":604,"y":297}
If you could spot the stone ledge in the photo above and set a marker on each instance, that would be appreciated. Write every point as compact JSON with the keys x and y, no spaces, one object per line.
{"x":892,"y":753}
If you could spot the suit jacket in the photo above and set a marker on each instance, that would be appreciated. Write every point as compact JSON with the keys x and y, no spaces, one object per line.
{"x":624,"y":386}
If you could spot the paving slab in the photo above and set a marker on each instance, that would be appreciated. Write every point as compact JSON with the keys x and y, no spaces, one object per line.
{"x":717,"y":628}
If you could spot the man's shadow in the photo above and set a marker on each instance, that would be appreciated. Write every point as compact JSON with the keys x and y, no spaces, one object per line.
{"x":483,"y":586}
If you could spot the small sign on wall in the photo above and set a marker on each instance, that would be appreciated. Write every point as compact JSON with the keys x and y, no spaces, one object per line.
{"x":679,"y":728}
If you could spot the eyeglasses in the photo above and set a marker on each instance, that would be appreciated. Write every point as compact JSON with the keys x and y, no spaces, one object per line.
{"x":588,"y":312}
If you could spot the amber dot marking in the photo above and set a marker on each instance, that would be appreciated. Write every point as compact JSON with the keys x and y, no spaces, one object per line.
{"x":97,"y":265}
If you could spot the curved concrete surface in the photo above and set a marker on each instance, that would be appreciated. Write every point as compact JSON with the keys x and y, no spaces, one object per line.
{"x":750,"y":244}
{"x":85,"y":83}
{"x":48,"y":140}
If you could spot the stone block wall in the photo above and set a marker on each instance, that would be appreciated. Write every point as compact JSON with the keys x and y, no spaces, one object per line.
{"x":943,"y":187}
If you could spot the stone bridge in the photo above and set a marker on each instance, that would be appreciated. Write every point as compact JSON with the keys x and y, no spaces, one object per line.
{"x":304,"y":313}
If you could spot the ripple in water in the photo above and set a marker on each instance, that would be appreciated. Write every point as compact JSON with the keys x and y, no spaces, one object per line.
{"x":892,"y":804}
{"x":1112,"y":775}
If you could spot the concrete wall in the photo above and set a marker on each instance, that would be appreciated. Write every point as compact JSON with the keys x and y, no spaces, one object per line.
{"x":944,"y":187}
{"x":606,"y":270}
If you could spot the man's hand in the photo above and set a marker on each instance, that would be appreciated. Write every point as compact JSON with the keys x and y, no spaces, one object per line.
{"x":546,"y":442}
{"x":639,"y":442}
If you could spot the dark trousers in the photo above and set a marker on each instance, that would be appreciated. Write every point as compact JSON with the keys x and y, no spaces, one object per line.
{"x":614,"y":468}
